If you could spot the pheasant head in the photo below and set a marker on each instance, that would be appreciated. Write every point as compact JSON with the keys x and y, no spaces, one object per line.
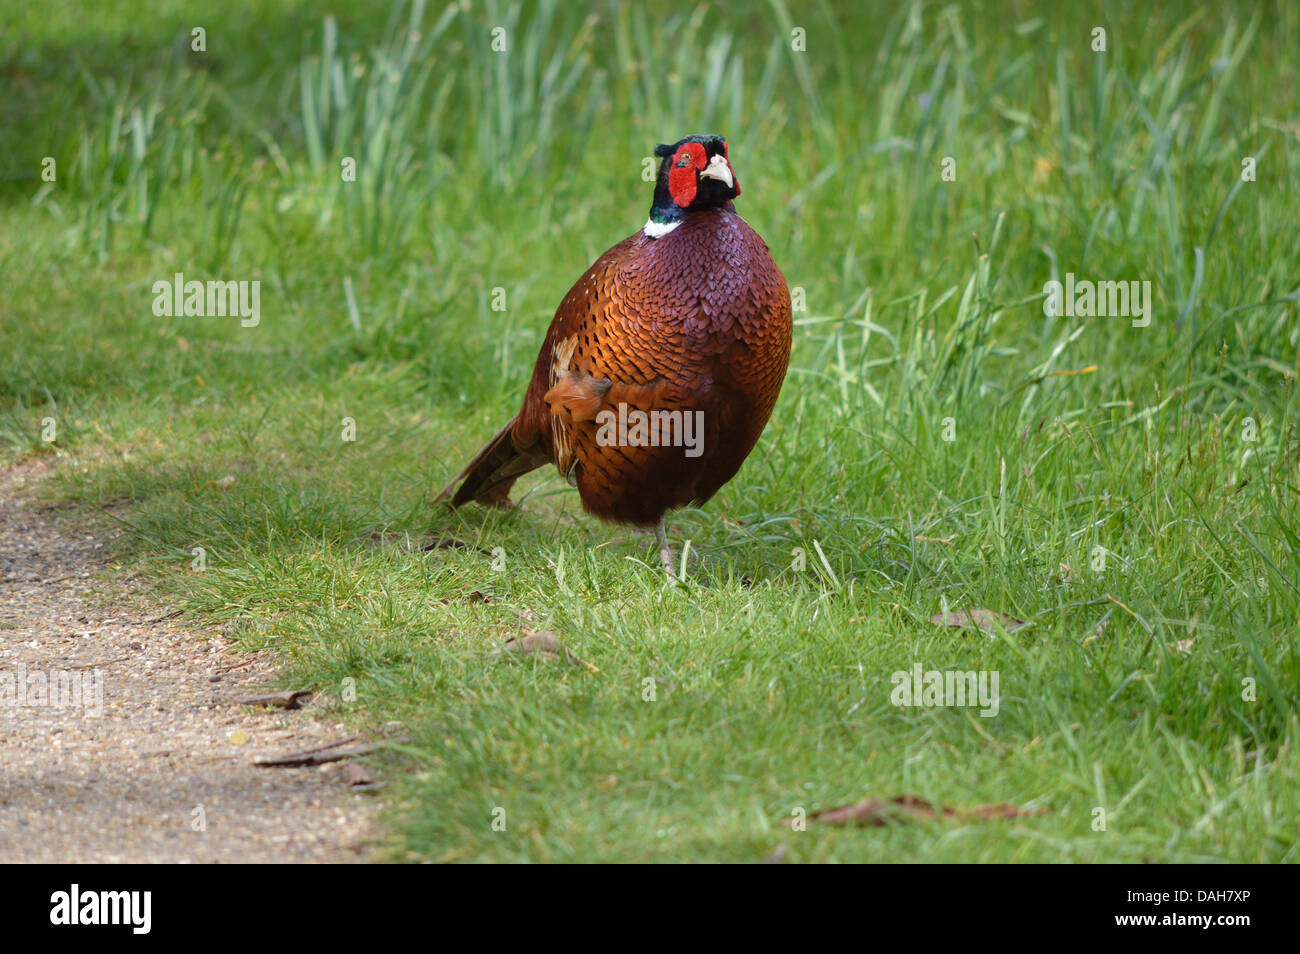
{"x":695,"y":174}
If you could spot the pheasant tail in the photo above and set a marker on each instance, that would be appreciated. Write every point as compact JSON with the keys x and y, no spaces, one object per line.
{"x":490,"y":475}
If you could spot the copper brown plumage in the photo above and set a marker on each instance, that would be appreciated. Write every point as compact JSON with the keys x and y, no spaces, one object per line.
{"x":689,"y":315}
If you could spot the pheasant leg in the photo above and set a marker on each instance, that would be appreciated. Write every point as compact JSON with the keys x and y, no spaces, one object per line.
{"x":665,"y":551}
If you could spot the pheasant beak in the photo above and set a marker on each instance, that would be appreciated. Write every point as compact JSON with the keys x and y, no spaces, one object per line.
{"x":718,"y":168}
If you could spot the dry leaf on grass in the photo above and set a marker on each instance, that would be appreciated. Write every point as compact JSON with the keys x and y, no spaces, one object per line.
{"x":878,"y":811}
{"x":977,"y":618}
{"x":533,"y":641}
{"x":360,"y":778}
{"x":542,"y":642}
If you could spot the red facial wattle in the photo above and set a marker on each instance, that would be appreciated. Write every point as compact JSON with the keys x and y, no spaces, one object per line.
{"x":683,"y":179}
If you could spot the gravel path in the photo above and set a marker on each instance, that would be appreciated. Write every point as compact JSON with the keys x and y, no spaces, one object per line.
{"x":165,"y":773}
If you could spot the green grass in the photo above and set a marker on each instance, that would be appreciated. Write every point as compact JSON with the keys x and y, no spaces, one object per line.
{"x":1099,"y":483}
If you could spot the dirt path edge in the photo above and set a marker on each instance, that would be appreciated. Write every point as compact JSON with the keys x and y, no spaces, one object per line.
{"x":154,"y":761}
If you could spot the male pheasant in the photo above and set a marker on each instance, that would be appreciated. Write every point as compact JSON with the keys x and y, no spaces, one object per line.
{"x":662,"y":363}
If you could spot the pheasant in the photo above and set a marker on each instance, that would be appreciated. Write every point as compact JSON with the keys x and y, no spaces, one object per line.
{"x":662,"y":364}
